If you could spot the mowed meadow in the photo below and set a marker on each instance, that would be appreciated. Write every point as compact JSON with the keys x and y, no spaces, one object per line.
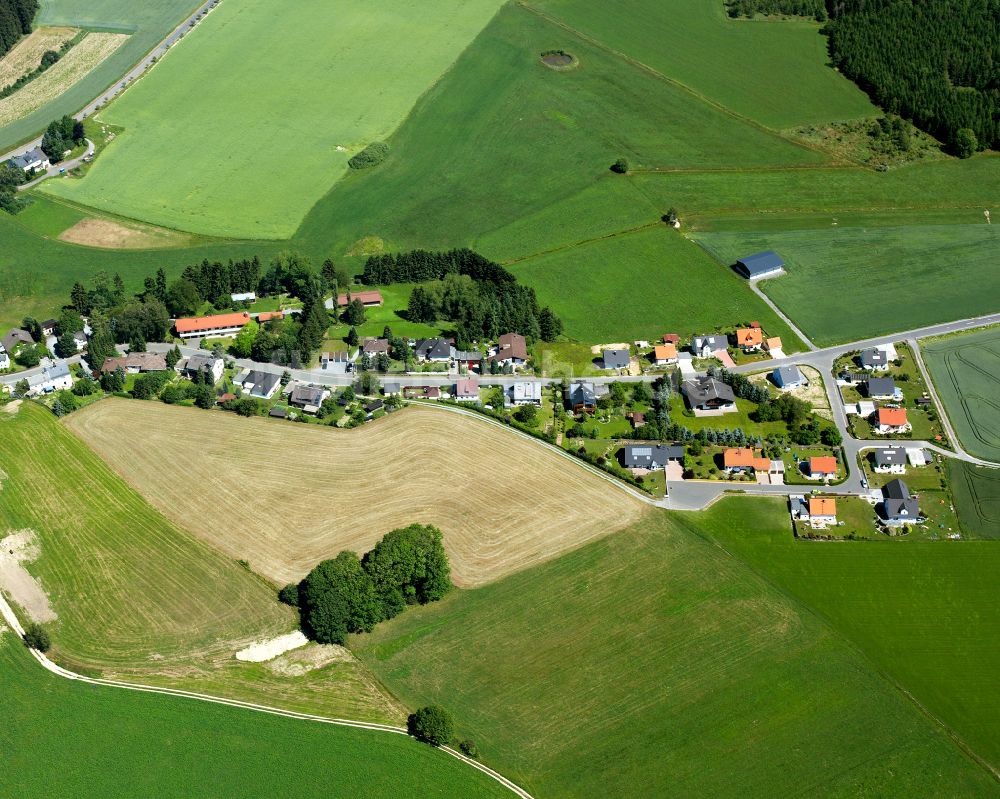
{"x":138,"y":598}
{"x":251,"y":118}
{"x":654,"y":663}
{"x":966,"y":373}
{"x":284,"y":497}
{"x":923,"y":612}
{"x":63,"y":738}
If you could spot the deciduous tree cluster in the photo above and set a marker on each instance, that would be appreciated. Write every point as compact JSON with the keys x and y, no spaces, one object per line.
{"x":348,"y":594}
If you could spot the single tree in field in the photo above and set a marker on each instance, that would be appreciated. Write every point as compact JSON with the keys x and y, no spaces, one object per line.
{"x":352,"y":337}
{"x":431,"y":724}
{"x":36,"y":637}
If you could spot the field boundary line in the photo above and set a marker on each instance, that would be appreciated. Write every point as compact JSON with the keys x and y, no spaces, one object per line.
{"x":583,"y":242}
{"x":641,"y":65}
{"x":11,"y":618}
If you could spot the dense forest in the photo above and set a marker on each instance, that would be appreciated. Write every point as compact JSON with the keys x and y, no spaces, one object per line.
{"x":935,"y":62}
{"x":15,"y":21}
{"x":777,"y":8}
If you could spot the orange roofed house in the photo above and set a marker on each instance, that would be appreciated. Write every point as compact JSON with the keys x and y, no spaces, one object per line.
{"x":664,"y":354}
{"x":822,"y":511}
{"x":823,"y":467}
{"x":891,"y":420}
{"x":749,"y":339}
{"x":226,"y":324}
{"x":737,"y":459}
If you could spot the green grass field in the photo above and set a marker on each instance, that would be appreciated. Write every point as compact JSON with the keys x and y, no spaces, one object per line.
{"x":524,"y":138}
{"x":923,"y":612}
{"x":976,"y":493}
{"x":641,"y":285}
{"x":138,"y":598}
{"x":909,"y":276}
{"x":652,"y":663}
{"x":61,"y":738}
{"x":966,"y":373}
{"x":772,"y":72}
{"x":335,"y":75}
{"x":148,"y":23}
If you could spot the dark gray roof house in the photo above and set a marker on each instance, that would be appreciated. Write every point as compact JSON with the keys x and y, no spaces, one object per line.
{"x":760,"y":264}
{"x":278,"y":412}
{"x":306,"y":396}
{"x":881,"y":387}
{"x":261,"y":384}
{"x":616,"y":359}
{"x":897,"y":504}
{"x":432,"y":349}
{"x":705,"y":345}
{"x":32,"y":158}
{"x":707,"y":393}
{"x":887,"y":458}
{"x":649,"y":456}
{"x":873,"y":358}
{"x":582,"y":396}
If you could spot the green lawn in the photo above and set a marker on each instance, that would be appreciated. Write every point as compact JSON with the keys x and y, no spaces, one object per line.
{"x":62,"y":738}
{"x":652,"y":663}
{"x":148,"y":22}
{"x":908,"y":276}
{"x":642,"y":285}
{"x":335,"y":75}
{"x":139,"y":598}
{"x":976,"y":492}
{"x":773,"y":72}
{"x":924,"y":612}
{"x":966,"y":373}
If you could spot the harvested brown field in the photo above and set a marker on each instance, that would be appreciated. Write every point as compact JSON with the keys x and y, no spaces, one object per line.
{"x":285,"y":496}
{"x":111,"y":235}
{"x":27,"y":54}
{"x":80,"y":60}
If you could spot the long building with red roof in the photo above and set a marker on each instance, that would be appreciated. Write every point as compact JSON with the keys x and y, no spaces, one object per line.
{"x":224,"y":324}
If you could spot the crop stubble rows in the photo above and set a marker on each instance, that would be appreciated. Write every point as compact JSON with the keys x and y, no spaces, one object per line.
{"x":284,"y":497}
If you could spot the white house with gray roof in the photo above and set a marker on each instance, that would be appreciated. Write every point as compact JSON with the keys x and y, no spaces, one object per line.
{"x":31,"y":159}
{"x":891,"y":460}
{"x":707,"y":346}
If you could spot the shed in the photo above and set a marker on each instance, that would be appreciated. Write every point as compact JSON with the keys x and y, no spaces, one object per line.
{"x":760,"y":264}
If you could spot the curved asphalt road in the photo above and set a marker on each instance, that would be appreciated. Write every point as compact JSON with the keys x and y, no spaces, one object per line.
{"x":8,"y":615}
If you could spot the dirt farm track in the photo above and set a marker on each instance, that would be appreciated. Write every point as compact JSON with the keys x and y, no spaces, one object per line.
{"x":284,"y":496}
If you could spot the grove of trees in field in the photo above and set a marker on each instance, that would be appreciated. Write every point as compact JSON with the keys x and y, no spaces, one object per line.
{"x":482,"y":298}
{"x":348,"y":594}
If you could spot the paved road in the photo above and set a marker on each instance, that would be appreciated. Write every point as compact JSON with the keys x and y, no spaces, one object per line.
{"x":120,"y":85}
{"x":7,"y":613}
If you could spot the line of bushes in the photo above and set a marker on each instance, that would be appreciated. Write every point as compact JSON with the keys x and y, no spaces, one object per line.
{"x":49,"y":57}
